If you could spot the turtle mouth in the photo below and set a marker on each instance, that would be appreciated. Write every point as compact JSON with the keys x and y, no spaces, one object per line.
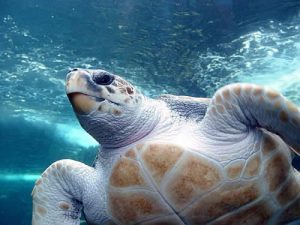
{"x":95,"y":98}
{"x":73,"y":94}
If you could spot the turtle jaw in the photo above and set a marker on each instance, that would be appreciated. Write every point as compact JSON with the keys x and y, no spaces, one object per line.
{"x":84,"y":104}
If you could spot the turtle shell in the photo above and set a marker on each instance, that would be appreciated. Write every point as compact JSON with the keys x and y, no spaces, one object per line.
{"x":162,"y":183}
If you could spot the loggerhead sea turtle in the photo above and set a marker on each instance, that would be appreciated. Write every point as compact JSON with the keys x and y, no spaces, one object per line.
{"x":175,"y":159}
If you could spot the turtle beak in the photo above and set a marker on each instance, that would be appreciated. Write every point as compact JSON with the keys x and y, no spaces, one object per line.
{"x":81,"y":98}
{"x":82,"y":104}
{"x":75,"y":81}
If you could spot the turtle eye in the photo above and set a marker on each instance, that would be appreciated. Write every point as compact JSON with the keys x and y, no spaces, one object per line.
{"x":103,"y":78}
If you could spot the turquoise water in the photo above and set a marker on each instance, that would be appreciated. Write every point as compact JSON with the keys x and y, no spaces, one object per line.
{"x":178,"y":47}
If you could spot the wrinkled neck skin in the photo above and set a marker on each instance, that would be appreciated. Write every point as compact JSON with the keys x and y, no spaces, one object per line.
{"x":115,"y":133}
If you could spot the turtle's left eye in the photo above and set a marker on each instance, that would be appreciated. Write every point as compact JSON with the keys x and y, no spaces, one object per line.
{"x":103,"y":78}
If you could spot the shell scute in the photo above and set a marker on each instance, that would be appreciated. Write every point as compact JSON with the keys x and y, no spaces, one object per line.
{"x":253,"y":166}
{"x":167,"y":220}
{"x":160,"y":158}
{"x":291,"y":213}
{"x":256,"y":214}
{"x":288,"y":191}
{"x":131,"y":154}
{"x":225,"y":199}
{"x":276,"y":170}
{"x":269,"y":143}
{"x":130,"y":207}
{"x":234,"y":169}
{"x":194,"y":176}
{"x":126,"y":173}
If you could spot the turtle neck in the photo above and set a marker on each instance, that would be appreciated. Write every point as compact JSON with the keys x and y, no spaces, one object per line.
{"x":114,"y":133}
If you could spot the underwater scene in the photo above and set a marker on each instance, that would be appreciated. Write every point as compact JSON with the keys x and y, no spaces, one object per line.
{"x":178,"y":47}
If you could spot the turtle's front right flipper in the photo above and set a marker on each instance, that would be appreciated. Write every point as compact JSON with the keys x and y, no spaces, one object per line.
{"x":238,"y":108}
{"x":58,"y":194}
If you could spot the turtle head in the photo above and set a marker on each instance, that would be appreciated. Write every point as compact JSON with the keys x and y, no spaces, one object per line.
{"x":107,"y":106}
{"x":99,"y":90}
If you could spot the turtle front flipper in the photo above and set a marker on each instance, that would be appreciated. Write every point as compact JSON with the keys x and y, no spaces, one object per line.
{"x":59,"y":193}
{"x":238,"y":108}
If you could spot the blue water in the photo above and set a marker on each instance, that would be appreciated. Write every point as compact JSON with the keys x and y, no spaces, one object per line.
{"x":178,"y":47}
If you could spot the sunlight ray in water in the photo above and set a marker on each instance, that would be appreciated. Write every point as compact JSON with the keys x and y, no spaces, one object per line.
{"x":11,"y":177}
{"x":75,"y":135}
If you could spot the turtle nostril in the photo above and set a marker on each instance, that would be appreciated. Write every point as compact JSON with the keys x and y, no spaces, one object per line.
{"x":72,"y":70}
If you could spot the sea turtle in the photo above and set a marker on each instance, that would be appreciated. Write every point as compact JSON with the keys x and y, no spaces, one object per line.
{"x":175,"y":159}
